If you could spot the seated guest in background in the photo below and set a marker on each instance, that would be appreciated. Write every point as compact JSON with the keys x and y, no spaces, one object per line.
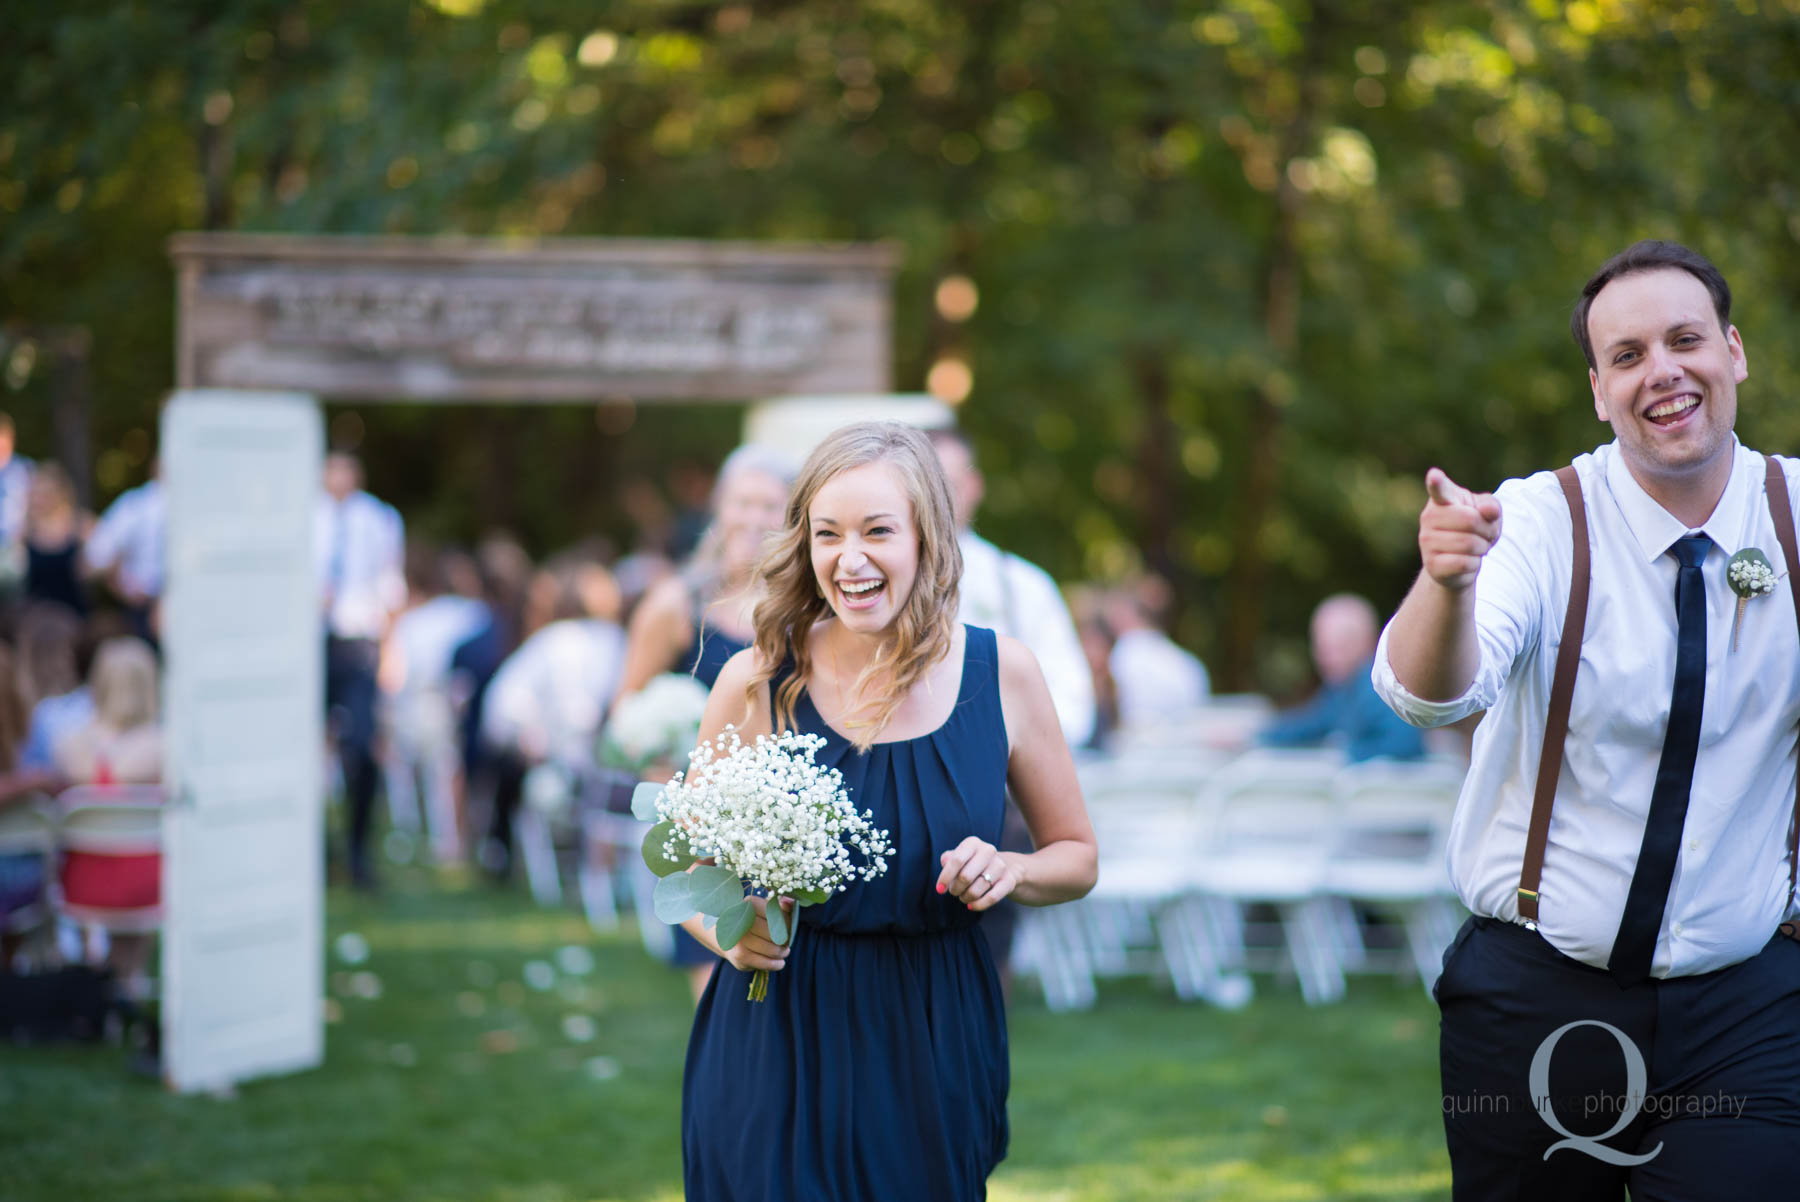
{"x":122,"y":743}
{"x":54,"y":529}
{"x":22,"y":875}
{"x":52,"y":671}
{"x":1152,"y":676}
{"x":1345,"y":712}
{"x":547,"y":701}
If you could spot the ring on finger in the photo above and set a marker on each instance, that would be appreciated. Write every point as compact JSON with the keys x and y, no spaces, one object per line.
{"x":988,"y":877}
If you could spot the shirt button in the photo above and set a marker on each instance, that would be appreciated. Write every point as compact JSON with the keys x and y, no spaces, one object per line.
{"x":1676,"y":929}
{"x":1693,"y":845}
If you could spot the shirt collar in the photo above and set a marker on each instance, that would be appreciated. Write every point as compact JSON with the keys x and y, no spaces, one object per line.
{"x":1656,"y":529}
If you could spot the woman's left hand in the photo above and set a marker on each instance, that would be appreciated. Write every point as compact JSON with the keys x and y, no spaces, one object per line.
{"x":977,"y":874}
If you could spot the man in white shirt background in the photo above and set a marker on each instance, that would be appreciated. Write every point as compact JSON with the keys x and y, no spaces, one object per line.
{"x":1620,"y":1010}
{"x":360,"y":557}
{"x":1015,"y":597}
{"x":126,"y":550}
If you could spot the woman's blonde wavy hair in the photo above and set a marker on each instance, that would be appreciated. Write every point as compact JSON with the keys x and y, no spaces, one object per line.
{"x":792,"y":604}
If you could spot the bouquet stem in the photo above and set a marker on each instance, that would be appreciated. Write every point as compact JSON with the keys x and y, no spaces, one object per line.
{"x":759,"y":985}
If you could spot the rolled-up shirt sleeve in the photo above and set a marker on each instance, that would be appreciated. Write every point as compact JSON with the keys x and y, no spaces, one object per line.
{"x":1509,"y":591}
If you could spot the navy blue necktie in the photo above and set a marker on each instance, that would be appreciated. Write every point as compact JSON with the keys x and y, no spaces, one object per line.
{"x":1635,"y":945}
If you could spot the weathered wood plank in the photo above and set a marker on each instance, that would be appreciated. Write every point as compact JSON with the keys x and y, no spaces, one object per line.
{"x":463,"y":319}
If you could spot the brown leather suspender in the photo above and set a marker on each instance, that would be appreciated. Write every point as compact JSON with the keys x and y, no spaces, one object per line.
{"x":1782,"y":514}
{"x":1562,"y":692}
{"x":1568,"y":659}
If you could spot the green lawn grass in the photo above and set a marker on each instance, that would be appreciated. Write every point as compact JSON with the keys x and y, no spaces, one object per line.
{"x":463,"y":1079}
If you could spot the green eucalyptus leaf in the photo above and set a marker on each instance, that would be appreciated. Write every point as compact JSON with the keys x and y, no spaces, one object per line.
{"x":778,"y":923}
{"x":715,"y":889}
{"x":734,"y":922}
{"x":812,"y":897}
{"x":643,"y":801}
{"x":709,"y":921}
{"x":660,"y":862}
{"x":673,"y":900}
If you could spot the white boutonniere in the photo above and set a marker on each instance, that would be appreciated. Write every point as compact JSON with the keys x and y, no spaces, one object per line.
{"x":1750,"y":575}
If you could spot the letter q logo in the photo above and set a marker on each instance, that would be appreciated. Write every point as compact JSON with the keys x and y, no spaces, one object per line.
{"x":1636,"y":1077}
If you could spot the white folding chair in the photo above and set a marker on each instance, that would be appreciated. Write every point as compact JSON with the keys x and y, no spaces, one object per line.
{"x":1390,"y":854}
{"x":118,"y":821}
{"x":1273,"y":818}
{"x":1146,"y":814}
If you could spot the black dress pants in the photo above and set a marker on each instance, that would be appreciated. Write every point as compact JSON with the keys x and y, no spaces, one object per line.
{"x":350,"y":690}
{"x":1558,"y":1083}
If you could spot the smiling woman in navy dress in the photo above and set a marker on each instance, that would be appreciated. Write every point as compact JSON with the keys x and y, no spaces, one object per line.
{"x":876,"y":1069}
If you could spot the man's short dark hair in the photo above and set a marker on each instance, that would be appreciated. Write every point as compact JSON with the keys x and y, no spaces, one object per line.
{"x":1649,"y":255}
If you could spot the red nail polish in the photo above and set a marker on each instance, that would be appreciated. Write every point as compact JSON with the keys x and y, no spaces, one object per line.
{"x":940,"y":886}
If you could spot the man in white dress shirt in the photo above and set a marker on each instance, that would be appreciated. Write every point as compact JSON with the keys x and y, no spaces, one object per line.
{"x":360,"y":556}
{"x":1620,"y":1010}
{"x":126,"y":549}
{"x":1015,"y":597}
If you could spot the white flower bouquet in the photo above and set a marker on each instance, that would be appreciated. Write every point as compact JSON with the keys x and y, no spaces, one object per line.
{"x":761,"y":816}
{"x":656,"y":724}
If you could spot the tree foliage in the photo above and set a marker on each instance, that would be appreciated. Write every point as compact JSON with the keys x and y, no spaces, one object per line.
{"x":1244,"y":268}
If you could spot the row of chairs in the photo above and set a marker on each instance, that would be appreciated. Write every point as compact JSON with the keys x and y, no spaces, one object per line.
{"x":101,"y":851}
{"x":1194,"y":846}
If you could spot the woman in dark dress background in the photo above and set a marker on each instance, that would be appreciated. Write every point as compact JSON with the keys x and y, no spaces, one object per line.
{"x":877,"y":1067}
{"x":54,"y":530}
{"x":700,"y":617}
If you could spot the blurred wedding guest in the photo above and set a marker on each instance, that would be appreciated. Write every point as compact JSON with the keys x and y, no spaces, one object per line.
{"x":126,"y":550}
{"x":503,"y":575}
{"x":54,"y":527}
{"x":548,"y":700}
{"x":22,"y":875}
{"x":422,"y":752}
{"x":359,"y":550}
{"x":122,"y":743}
{"x":1345,"y":712}
{"x":1155,"y":677}
{"x":1087,"y":606}
{"x":1015,"y":597}
{"x":696,"y":619}
{"x":52,"y":648}
{"x":700,"y":617}
{"x":15,"y":485}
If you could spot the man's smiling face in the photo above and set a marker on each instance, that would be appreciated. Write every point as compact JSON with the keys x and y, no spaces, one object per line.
{"x":1666,"y":373}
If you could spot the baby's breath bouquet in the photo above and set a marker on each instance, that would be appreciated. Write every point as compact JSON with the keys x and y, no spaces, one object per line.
{"x":760,"y":816}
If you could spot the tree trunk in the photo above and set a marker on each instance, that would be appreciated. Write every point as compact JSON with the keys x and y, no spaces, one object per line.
{"x":1247,"y":581}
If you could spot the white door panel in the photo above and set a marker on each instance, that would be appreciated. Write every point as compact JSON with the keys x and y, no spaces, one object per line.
{"x":243,"y":874}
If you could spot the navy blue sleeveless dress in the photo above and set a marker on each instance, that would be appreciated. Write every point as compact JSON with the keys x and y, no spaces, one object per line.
{"x":876,"y":1070}
{"x":710,"y":649}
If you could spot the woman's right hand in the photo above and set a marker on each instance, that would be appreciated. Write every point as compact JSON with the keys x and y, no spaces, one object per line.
{"x":756,"y":950}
